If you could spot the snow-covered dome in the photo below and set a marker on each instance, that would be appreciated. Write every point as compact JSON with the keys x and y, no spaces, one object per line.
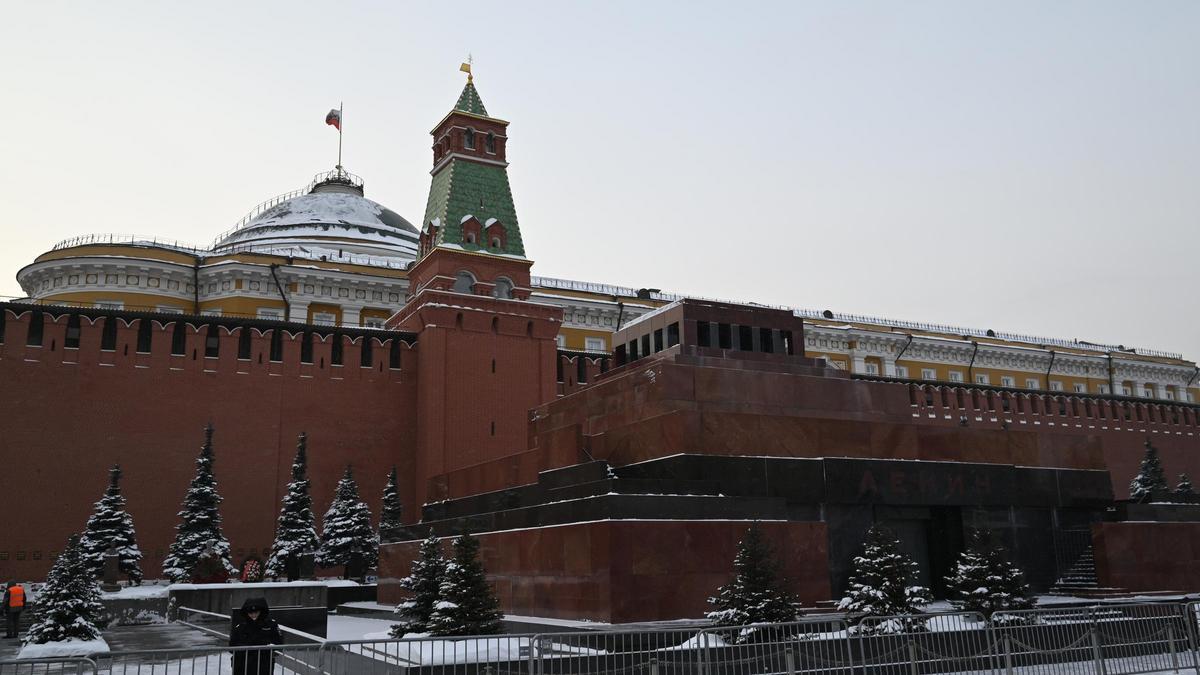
{"x":329,"y":218}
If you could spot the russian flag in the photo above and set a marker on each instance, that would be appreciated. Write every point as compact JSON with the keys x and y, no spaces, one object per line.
{"x":334,"y":118}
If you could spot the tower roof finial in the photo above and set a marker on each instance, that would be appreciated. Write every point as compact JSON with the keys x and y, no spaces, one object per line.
{"x":469,"y":101}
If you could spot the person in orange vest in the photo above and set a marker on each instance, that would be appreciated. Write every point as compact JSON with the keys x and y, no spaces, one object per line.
{"x":14,"y":603}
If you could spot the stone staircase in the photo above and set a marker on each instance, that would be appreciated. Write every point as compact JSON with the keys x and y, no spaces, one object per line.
{"x":1080,"y":579}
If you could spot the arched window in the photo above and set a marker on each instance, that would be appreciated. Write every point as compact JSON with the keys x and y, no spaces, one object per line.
{"x":464,"y":282}
{"x":502,"y":289}
{"x":469,"y":139}
{"x":490,"y":143}
{"x":496,"y":242}
{"x":469,"y":237}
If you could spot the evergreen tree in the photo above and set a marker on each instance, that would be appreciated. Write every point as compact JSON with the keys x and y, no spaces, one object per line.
{"x":424,"y":583}
{"x":200,"y":521}
{"x":467,"y":605}
{"x":985,"y":581}
{"x":296,"y":532}
{"x":68,"y":606}
{"x":1150,"y":484}
{"x":346,"y":529}
{"x":756,"y":594}
{"x":880,"y":580}
{"x":1184,"y":492}
{"x":390,"y":521}
{"x":111,"y":526}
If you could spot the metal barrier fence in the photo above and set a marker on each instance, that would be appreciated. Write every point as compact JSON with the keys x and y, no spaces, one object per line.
{"x":58,"y":666}
{"x":1116,"y":639}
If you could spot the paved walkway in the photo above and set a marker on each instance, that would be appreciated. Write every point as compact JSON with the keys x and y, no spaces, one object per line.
{"x":140,"y":638}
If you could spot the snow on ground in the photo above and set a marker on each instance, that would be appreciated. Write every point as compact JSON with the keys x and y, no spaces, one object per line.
{"x":65,"y":648}
{"x":132,"y":592}
{"x":264,"y":584}
{"x":355,"y":628}
{"x":366,"y":604}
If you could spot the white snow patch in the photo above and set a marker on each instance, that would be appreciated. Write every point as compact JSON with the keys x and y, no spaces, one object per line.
{"x":64,"y":648}
{"x":355,"y":627}
{"x":132,"y":592}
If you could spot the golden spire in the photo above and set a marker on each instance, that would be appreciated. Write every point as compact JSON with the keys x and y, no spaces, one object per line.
{"x":466,"y":68}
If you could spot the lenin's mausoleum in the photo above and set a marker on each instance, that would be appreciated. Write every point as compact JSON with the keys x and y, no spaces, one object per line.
{"x":608,"y":445}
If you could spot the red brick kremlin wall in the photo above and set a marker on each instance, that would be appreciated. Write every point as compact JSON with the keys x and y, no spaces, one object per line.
{"x":69,"y":414}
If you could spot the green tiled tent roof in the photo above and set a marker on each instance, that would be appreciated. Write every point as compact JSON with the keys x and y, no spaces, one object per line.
{"x":469,"y":101}
{"x":463,"y":188}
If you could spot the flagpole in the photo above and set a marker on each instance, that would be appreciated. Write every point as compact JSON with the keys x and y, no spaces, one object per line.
{"x":341,"y":123}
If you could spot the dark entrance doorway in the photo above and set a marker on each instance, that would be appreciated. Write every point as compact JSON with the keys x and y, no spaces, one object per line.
{"x":932,"y":538}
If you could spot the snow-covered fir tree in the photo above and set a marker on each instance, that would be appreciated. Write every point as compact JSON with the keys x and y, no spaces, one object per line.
{"x":757,"y":594}
{"x":68,"y":607}
{"x":110,"y":525}
{"x":467,"y":605}
{"x":1184,"y":492}
{"x":1150,"y":484}
{"x":424,"y":584}
{"x":296,"y":531}
{"x":346,"y":529}
{"x":985,"y":581}
{"x":390,"y":515}
{"x":200,"y":521}
{"x":881,"y":580}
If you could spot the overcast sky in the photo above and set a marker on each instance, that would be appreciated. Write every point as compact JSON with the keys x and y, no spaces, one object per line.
{"x":1024,"y":166}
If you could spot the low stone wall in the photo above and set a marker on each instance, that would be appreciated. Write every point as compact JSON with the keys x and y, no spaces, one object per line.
{"x":1148,"y":556}
{"x":619,"y":571}
{"x":224,"y":598}
{"x":135,"y":611}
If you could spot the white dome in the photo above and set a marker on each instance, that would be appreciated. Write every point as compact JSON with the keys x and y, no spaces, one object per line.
{"x":332,"y":219}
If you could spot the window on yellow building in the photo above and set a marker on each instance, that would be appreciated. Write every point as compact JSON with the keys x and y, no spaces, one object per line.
{"x":1006,"y":381}
{"x":1055,"y":385}
{"x":956,"y":376}
{"x":1033,"y":383}
{"x":928,"y":374}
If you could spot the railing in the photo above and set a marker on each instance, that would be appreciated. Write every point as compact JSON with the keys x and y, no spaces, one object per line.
{"x":102,"y":239}
{"x":292,"y":251}
{"x":1111,"y":639}
{"x":57,"y":666}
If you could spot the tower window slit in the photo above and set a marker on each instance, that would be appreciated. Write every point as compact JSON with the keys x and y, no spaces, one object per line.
{"x":306,"y":343}
{"x":276,"y":345}
{"x":145,"y":336}
{"x":72,"y":338}
{"x":335,"y":351}
{"x":179,"y":340}
{"x":244,"y":344}
{"x":34,"y":337}
{"x":212,"y":343}
{"x":108,"y":336}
